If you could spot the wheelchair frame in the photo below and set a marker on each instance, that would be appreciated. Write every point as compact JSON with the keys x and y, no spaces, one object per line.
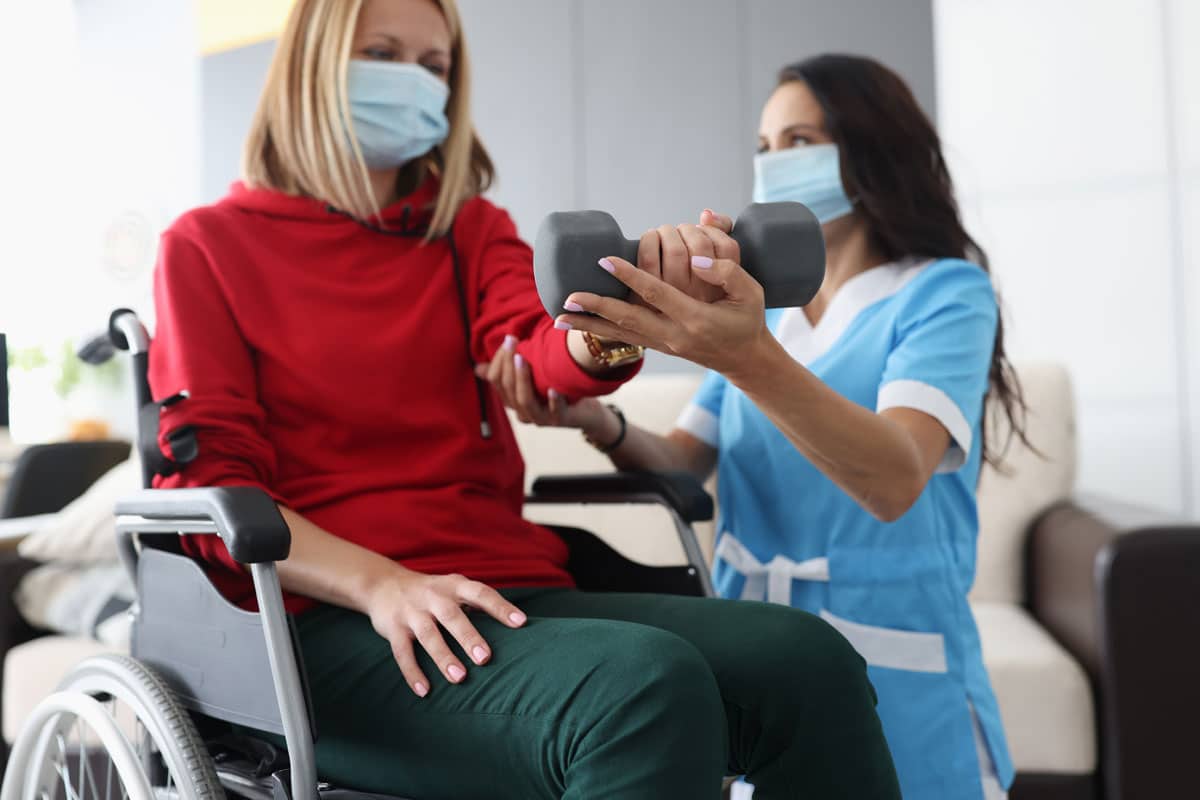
{"x":254,"y":531}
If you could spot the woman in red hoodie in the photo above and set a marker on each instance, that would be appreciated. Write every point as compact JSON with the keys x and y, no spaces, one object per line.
{"x":325,"y":318}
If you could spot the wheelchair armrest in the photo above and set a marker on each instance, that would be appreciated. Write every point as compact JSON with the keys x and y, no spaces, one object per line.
{"x":246,"y":518}
{"x":679,"y":490}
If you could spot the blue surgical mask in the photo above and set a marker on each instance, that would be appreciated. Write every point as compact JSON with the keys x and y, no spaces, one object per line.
{"x":399,"y":111}
{"x":810,"y":175}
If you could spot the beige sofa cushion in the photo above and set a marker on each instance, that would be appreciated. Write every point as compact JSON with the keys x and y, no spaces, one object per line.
{"x":1010,"y":499}
{"x":1045,"y":700}
{"x":33,"y":670}
{"x":643,"y":533}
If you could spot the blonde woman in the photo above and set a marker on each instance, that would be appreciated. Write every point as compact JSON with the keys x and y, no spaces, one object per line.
{"x":326,"y":317}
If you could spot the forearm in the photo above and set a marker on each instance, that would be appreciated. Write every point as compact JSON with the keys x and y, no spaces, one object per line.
{"x":872,"y":458}
{"x":643,"y":450}
{"x":330,"y":569}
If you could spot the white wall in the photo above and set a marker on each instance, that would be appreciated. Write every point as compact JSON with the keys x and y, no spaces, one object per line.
{"x":1074,"y":134}
{"x":100,"y":153}
{"x":104,"y":156}
{"x":1182,"y":21}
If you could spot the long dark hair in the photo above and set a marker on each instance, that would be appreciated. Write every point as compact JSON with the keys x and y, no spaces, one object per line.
{"x":892,"y":163}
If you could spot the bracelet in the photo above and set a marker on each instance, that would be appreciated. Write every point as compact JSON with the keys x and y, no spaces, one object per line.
{"x":611,"y":353}
{"x":620,"y":436}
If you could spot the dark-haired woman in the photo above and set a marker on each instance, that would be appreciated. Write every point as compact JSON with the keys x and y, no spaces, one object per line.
{"x":848,"y":433}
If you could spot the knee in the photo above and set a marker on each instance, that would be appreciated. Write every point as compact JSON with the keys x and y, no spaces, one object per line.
{"x":640,"y":680}
{"x":668,"y":669}
{"x":639,"y":664}
{"x":809,"y":666}
{"x":644,"y":683}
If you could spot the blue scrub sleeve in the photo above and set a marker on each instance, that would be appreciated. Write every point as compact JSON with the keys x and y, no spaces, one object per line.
{"x":701,"y":416}
{"x":940,"y":362}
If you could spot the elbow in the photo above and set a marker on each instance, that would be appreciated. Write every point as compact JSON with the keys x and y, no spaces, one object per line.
{"x":894,"y":500}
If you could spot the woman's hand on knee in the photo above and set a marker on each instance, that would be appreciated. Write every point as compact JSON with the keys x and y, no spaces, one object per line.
{"x":415,"y":607}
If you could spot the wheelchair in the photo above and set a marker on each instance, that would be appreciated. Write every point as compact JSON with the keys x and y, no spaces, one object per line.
{"x":169,"y":721}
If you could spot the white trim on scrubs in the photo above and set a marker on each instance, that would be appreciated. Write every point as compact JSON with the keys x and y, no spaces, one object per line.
{"x":937,"y":404}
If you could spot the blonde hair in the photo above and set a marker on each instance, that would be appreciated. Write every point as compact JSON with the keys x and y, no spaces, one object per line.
{"x":298,"y":143}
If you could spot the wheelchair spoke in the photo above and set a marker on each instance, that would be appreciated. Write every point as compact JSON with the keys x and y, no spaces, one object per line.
{"x":82,"y":756}
{"x":62,"y":765}
{"x":91,"y":777}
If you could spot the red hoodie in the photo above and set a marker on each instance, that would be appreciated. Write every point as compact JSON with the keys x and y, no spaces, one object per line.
{"x":327,"y":364}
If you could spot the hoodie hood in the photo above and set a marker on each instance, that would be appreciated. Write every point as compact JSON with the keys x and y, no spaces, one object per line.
{"x":409,"y":214}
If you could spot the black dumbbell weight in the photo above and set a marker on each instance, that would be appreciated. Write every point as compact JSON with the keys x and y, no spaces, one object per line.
{"x":781,"y":247}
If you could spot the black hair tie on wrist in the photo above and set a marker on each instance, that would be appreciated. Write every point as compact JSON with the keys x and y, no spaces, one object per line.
{"x":620,"y":436}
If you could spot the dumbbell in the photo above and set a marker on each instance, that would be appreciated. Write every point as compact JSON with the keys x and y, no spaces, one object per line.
{"x":781,"y":247}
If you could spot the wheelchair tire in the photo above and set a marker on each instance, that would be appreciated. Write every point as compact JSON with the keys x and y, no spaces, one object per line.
{"x":176,"y":743}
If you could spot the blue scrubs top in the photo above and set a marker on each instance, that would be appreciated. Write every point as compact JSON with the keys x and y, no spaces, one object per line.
{"x":914,"y":335}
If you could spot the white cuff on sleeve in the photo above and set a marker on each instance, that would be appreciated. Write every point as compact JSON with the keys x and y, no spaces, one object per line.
{"x":937,"y":404}
{"x":699,"y":422}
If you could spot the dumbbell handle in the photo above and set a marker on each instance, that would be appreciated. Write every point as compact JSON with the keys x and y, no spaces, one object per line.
{"x":781,"y":247}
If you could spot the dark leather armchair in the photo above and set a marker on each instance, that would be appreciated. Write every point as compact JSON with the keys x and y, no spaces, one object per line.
{"x":1119,"y":587}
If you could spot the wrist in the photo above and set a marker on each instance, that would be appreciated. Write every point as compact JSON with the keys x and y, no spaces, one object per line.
{"x":612,"y":353}
{"x":609,"y":431}
{"x":757,"y":359}
{"x":598,"y":421}
{"x":375,"y":580}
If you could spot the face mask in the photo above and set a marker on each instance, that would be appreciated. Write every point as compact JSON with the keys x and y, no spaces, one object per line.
{"x":808,"y":175}
{"x":399,"y":111}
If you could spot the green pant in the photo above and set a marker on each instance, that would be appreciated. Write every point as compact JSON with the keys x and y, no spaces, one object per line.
{"x":615,"y":696}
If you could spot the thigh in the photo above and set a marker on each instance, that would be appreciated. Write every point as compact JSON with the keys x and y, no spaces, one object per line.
{"x":779,"y":669}
{"x":514,"y":728}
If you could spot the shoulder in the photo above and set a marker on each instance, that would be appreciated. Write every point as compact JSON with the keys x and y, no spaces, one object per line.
{"x":480,"y":217}
{"x":189,"y":249}
{"x":949,"y":282}
{"x":202,"y":226}
{"x":484,"y":232}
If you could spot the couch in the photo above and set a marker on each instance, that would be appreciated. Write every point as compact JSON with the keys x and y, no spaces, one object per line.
{"x":1089,"y":610}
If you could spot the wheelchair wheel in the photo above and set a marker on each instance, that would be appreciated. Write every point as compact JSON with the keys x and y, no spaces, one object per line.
{"x":112,"y":731}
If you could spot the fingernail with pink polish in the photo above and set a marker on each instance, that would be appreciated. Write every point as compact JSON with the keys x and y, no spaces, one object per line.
{"x":480,"y":654}
{"x":607,"y":265}
{"x":421,"y":689}
{"x":517,"y":618}
{"x":519,"y":361}
{"x":456,"y":672}
{"x":571,"y":305}
{"x":510,"y":342}
{"x":702,"y":262}
{"x":562,"y":325}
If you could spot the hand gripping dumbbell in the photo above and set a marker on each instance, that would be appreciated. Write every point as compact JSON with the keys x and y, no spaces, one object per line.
{"x":781,"y":247}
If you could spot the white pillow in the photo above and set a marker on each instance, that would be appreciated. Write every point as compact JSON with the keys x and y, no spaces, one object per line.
{"x":78,"y":600}
{"x":85,"y":531}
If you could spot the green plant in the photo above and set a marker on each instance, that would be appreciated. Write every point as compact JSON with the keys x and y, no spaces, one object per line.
{"x":70,"y":371}
{"x":27,"y":358}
